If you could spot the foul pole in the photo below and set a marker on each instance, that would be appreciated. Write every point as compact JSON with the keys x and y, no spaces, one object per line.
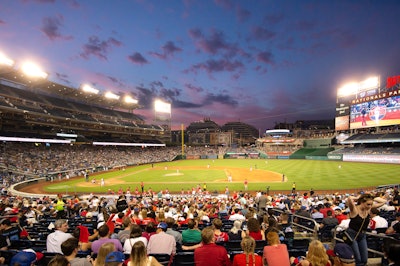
{"x":183,"y":140}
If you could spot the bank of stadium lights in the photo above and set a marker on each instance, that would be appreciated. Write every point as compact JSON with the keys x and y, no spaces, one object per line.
{"x":348,"y":89}
{"x":128,"y":99}
{"x":4,"y":60}
{"x":89,"y":89}
{"x":355,"y":87}
{"x":370,"y":83}
{"x":110,"y":95}
{"x":162,"y":107}
{"x":32,"y":70}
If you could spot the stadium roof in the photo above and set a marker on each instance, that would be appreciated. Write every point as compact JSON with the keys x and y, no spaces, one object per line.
{"x":372,"y":138}
{"x":62,"y":91}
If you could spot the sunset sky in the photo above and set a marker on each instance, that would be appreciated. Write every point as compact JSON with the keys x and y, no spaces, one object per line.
{"x":258,"y":62}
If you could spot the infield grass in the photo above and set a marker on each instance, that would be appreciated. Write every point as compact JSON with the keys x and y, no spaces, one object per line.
{"x":318,"y":175}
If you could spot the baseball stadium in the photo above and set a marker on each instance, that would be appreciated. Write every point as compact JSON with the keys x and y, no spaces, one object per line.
{"x":66,"y":143}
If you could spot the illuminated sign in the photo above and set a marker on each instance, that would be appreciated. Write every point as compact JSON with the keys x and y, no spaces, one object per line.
{"x":376,"y":97}
{"x":342,"y":123}
{"x":392,"y":81}
{"x":342,"y":109}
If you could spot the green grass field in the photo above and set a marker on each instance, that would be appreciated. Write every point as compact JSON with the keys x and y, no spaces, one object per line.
{"x":318,"y":175}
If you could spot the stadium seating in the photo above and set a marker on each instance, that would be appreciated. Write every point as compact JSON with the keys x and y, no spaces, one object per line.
{"x":163,"y":259}
{"x":184,"y":258}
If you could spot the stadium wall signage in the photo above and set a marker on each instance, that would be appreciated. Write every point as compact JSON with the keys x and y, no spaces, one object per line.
{"x":392,"y":81}
{"x":376,"y":97}
{"x":395,"y":159}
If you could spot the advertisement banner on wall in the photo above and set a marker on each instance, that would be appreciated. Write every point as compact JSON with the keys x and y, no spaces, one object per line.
{"x":337,"y":157}
{"x":395,"y":159}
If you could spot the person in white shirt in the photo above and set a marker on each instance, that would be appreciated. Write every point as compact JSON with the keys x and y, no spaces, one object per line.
{"x":135,"y":236}
{"x":344,"y":224}
{"x":237,"y":216}
{"x":377,"y":222}
{"x":161,"y":243}
{"x":55,"y":239}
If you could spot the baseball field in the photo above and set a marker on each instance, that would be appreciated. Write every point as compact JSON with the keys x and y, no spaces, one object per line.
{"x":279,"y":175}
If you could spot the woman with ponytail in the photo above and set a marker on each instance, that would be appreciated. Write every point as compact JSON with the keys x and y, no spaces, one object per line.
{"x":248,"y":257}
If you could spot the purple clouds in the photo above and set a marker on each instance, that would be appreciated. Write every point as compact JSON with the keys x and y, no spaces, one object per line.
{"x":214,"y":43}
{"x":253,"y":60}
{"x":168,"y":50}
{"x":98,"y":48}
{"x":138,"y":58}
{"x":51,"y":28}
{"x":212,"y":66}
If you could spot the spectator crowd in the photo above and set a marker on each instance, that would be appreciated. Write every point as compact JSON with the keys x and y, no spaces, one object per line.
{"x":243,"y":228}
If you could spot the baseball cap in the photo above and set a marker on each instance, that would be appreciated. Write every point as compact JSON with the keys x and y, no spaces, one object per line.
{"x":26,"y":257}
{"x":115,"y":256}
{"x":343,"y":251}
{"x":162,"y":225}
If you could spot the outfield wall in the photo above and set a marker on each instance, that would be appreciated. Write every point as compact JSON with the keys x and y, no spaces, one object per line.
{"x":370,"y":158}
{"x":316,"y":158}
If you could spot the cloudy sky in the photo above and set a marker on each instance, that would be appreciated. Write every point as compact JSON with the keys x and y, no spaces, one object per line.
{"x":258,"y":62}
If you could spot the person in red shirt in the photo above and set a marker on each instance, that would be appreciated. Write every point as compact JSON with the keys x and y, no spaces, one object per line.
{"x":339,"y":215}
{"x":149,"y":230}
{"x":325,"y":209}
{"x":118,"y":221}
{"x":135,"y":216}
{"x":183,"y":219}
{"x":218,"y":234}
{"x":275,"y":253}
{"x":254,"y":229}
{"x":235,"y":195}
{"x":209,"y":253}
{"x":146,"y":219}
{"x":248,"y":257}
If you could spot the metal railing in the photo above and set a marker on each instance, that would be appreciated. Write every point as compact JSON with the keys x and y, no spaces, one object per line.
{"x":311,"y":226}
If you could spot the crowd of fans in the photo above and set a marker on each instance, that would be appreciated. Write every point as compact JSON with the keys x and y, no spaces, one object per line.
{"x":382,"y":150}
{"x":40,"y":159}
{"x":32,"y":160}
{"x":143,"y":225}
{"x":168,"y":224}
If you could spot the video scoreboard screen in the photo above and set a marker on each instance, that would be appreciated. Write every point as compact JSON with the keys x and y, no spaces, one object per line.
{"x":366,"y":104}
{"x":382,"y":112}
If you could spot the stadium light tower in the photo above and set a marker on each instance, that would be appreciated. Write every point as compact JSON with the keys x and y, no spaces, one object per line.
{"x":162,"y":113}
{"x":33,"y":70}
{"x":110,"y":95}
{"x":128,"y":99}
{"x":355,"y":87}
{"x":369,"y":83}
{"x":162,"y":107}
{"x":89,"y":89}
{"x":4,"y":60}
{"x":347,"y":89}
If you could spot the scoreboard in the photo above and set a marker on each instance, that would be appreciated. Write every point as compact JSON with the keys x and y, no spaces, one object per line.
{"x":366,"y":104}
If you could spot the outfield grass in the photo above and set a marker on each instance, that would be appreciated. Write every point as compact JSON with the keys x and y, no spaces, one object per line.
{"x":318,"y":175}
